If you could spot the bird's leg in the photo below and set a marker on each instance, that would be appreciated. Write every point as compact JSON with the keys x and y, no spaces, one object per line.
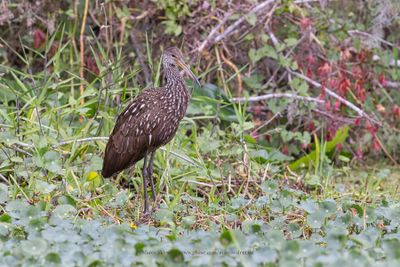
{"x":144,"y":174}
{"x":150,"y":173}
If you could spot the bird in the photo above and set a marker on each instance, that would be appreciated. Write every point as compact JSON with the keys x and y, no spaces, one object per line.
{"x":148,"y":122}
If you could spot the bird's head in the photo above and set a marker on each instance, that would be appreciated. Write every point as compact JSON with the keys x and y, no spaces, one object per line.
{"x":173,"y":56}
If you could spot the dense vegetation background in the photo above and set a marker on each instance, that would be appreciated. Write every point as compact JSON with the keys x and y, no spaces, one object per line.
{"x":288,"y":154}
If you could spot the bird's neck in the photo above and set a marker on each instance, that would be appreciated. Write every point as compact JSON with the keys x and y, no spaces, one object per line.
{"x":173,"y":79}
{"x":176,"y":94}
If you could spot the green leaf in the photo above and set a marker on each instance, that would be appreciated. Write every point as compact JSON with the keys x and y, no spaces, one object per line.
{"x":53,"y":258}
{"x":64,"y":211}
{"x":270,"y":186}
{"x":340,"y":137}
{"x":176,"y":255}
{"x":291,"y":41}
{"x":45,"y":187}
{"x":316,"y":219}
{"x":252,"y":19}
{"x":256,"y":55}
{"x":4,"y":195}
{"x":226,"y":238}
{"x":164,"y":216}
{"x":34,"y":247}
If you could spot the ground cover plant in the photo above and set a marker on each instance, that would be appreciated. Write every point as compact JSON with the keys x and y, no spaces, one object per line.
{"x":287,"y":156}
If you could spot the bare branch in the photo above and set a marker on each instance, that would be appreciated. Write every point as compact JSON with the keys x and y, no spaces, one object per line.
{"x":213,"y":32}
{"x":4,"y":179}
{"x":371,"y":36}
{"x":276,"y":95}
{"x":335,"y":117}
{"x":231,"y":29}
{"x":82,"y":140}
{"x":388,"y":84}
{"x":16,"y":148}
{"x":359,"y":111}
{"x":236,"y":24}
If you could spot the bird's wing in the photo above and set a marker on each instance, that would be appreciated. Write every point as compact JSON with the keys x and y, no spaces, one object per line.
{"x":129,"y":140}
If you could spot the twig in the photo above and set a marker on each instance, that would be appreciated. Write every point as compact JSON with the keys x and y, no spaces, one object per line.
{"x":213,"y":32}
{"x":276,"y":95}
{"x":359,"y":111}
{"x":231,"y":28}
{"x":140,"y":16}
{"x":181,"y":157}
{"x":335,"y":118}
{"x":23,"y":144}
{"x":82,"y":140}
{"x":388,"y":84}
{"x":267,"y":122}
{"x":4,"y":178}
{"x":82,"y":50}
{"x":237,"y":72}
{"x":371,"y":36}
{"x":386,"y":152}
{"x":137,"y":47}
{"x":20,"y":150}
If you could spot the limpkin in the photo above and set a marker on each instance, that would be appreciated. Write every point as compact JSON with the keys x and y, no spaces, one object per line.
{"x":149,"y":122}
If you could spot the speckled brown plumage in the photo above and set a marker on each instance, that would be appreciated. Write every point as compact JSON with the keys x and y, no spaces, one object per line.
{"x":148,"y":122}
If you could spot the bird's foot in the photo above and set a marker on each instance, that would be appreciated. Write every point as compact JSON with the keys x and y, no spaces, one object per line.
{"x":146,"y":213}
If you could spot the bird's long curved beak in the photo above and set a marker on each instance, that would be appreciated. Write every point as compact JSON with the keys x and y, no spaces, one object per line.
{"x":188,"y":71}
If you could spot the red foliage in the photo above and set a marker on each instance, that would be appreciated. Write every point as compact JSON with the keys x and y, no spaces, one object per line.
{"x":333,"y":83}
{"x":360,"y":91}
{"x":371,"y":128}
{"x":324,"y":70}
{"x":337,"y":105}
{"x":362,"y":55}
{"x":396,"y":111}
{"x":331,"y":131}
{"x":357,"y":72}
{"x":344,"y":85}
{"x":381,"y":109}
{"x":359,"y":153}
{"x":323,"y":91}
{"x":254,"y":134}
{"x":339,"y":147}
{"x":53,"y":48}
{"x":305,"y":23}
{"x":310,"y":59}
{"x":268,"y":138}
{"x":357,"y":121}
{"x":92,"y":66}
{"x":311,"y":126}
{"x":285,"y":150}
{"x":39,"y":38}
{"x":257,"y":109}
{"x":382,"y":79}
{"x":309,"y":72}
{"x":376,"y":144}
{"x":303,"y":146}
{"x":328,"y":105}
